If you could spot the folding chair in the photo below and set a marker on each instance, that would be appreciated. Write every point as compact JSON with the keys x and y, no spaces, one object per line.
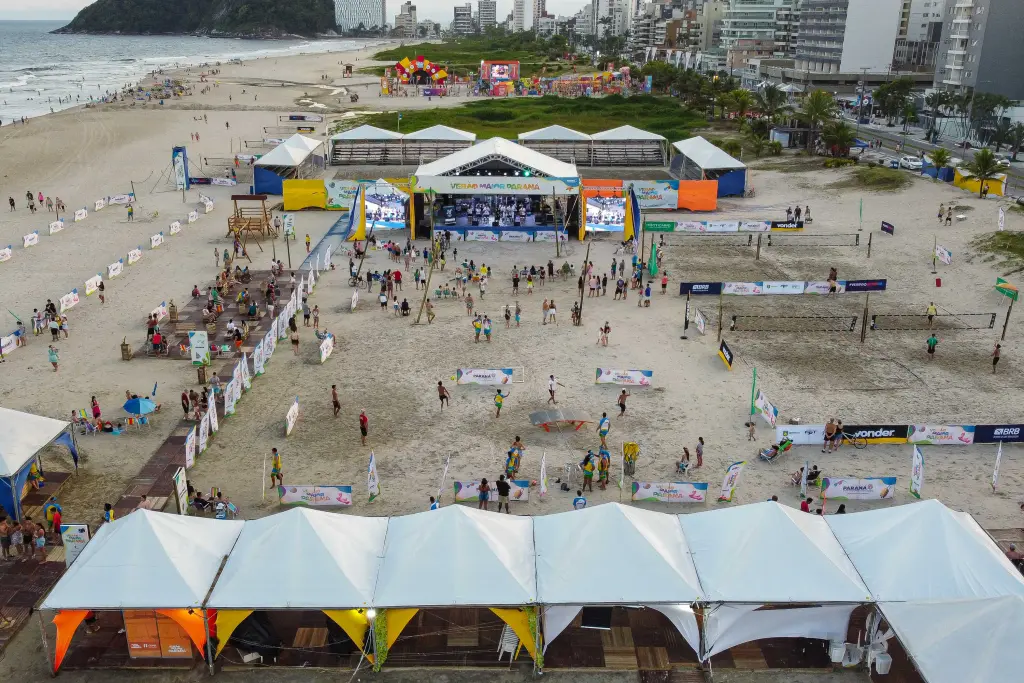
{"x":508,"y":642}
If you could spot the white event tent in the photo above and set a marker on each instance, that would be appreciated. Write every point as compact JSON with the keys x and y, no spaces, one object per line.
{"x":498,"y":148}
{"x":24,"y":436}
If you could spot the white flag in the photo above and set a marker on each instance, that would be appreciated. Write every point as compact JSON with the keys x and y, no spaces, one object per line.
{"x":732,"y":476}
{"x":944,"y":255}
{"x":544,"y":474}
{"x":999,"y":456}
{"x":372,"y":482}
{"x":917,"y":472}
{"x":1002,"y":218}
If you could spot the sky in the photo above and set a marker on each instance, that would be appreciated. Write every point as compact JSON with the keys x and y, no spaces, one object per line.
{"x":438,"y":10}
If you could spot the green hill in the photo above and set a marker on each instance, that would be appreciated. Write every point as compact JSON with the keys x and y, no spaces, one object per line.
{"x":252,"y":18}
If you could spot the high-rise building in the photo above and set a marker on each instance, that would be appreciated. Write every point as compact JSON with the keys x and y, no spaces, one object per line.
{"x":405,"y":20}
{"x":462,"y":20}
{"x":919,"y":36}
{"x":610,"y":17}
{"x":487,"y":11}
{"x":712,"y":15}
{"x":518,"y":16}
{"x":848,"y":36}
{"x":539,"y":10}
{"x":761,"y":28}
{"x":981,"y":47}
{"x":351,"y":15}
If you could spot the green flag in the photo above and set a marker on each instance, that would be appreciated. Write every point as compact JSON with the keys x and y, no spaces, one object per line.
{"x":1002,"y":286}
{"x":652,"y":262}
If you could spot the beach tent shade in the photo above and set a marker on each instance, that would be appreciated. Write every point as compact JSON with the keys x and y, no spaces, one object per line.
{"x":965,"y":641}
{"x":457,"y":556}
{"x":291,"y":152}
{"x":366,"y":132}
{"x":554,"y":133}
{"x":924,"y":551}
{"x":698,"y":159}
{"x":147,"y":560}
{"x":625,"y":133}
{"x":440,"y":132}
{"x":705,"y":155}
{"x":24,"y":435}
{"x":774,"y":554}
{"x":302,"y":559}
{"x":499,"y":148}
{"x":646,"y":546}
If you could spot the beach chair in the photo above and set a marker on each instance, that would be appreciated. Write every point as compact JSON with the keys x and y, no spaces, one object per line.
{"x":508,"y":643}
{"x":765,"y":453}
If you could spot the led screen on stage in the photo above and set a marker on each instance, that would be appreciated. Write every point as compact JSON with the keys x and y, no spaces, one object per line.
{"x":606,"y":214}
{"x":495,"y":211}
{"x":500,"y":72}
{"x":386,"y":207}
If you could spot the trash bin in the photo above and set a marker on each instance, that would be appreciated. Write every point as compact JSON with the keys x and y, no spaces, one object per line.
{"x":894,"y":164}
{"x":938,"y":282}
{"x":883,"y":662}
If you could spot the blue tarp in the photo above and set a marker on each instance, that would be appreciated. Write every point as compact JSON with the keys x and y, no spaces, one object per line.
{"x":732,"y":183}
{"x":945,"y":174}
{"x":11,"y":488}
{"x":267,"y":182}
{"x":857,"y":142}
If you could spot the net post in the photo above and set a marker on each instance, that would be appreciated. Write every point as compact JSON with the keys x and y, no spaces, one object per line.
{"x":757,"y":256}
{"x":864,"y":320}
{"x":870,"y":235}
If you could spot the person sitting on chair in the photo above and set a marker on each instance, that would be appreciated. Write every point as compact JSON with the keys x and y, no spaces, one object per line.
{"x":684,"y":462}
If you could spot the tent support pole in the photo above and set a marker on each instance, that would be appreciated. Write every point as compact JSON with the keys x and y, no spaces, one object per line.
{"x":209,"y":644}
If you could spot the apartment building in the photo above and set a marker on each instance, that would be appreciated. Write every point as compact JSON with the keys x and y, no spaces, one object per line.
{"x":760,"y":28}
{"x":487,"y":13}
{"x":353,"y":14}
{"x":462,"y":19}
{"x":405,"y":20}
{"x":848,"y":36}
{"x":518,"y":16}
{"x":539,"y":10}
{"x":981,"y":47}
{"x":611,"y":17}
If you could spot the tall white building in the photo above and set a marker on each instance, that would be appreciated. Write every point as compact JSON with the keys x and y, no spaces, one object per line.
{"x":539,"y":10}
{"x":462,"y":19}
{"x":518,"y":16}
{"x":353,"y":14}
{"x":487,"y":11}
{"x":610,"y":17}
{"x":405,"y":20}
{"x":848,"y":37}
{"x":762,"y":28}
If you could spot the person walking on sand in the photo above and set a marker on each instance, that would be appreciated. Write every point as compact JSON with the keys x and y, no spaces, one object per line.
{"x":487,"y":328}
{"x":103,"y":292}
{"x":588,"y":466}
{"x":545,"y":309}
{"x":932,"y":342}
{"x":430,"y":314}
{"x":995,"y":357}
{"x":931,"y":311}
{"x":830,"y":435}
{"x":477,"y":327}
{"x":54,"y":358}
{"x":316,"y":317}
{"x":364,"y":425}
{"x":504,"y":489}
{"x":483,"y":494}
{"x":949,"y":216}
{"x":622,"y":402}
{"x":443,"y":395}
{"x":308,"y":242}
{"x":699,"y":450}
{"x":334,"y":399}
{"x":552,"y":313}
{"x":552,"y":383}
{"x":518,"y":314}
{"x":603,"y":427}
{"x":131,"y":214}
{"x":499,"y":400}
{"x":942,"y":210}
{"x":276,"y":470}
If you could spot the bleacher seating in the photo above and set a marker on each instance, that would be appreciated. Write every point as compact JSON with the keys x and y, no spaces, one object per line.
{"x":634,"y":153}
{"x":569,"y":152}
{"x":370,"y":153}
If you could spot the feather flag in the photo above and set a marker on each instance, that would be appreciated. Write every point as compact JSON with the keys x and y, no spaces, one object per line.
{"x":632,"y":216}
{"x":372,"y":482}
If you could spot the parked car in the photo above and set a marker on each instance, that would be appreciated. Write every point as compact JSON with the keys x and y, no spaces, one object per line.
{"x":1002,"y":160}
{"x":912,"y":163}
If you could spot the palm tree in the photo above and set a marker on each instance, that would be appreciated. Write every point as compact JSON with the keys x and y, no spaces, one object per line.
{"x":771,"y":103}
{"x":1001,"y":134}
{"x":732,"y":148}
{"x":1016,"y":139}
{"x":756,"y":143}
{"x":740,"y":101}
{"x":940,"y":160}
{"x":984,"y":167}
{"x":838,"y":136}
{"x":775,"y":148}
{"x":818,"y":108}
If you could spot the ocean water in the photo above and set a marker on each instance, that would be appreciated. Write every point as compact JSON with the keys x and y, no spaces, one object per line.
{"x":37,"y":69}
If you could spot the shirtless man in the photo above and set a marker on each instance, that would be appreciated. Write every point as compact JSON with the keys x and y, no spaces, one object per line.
{"x":830,"y":433}
{"x":442,"y":393}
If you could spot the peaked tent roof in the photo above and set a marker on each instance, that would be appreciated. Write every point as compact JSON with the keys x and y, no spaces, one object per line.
{"x":367,"y":132}
{"x":625,"y":542}
{"x":962,"y":641}
{"x":706,"y":155}
{"x":941,"y":554}
{"x":540,"y":163}
{"x":147,"y":560}
{"x":774,"y":553}
{"x":291,"y":152}
{"x":318,"y":560}
{"x":382,"y":187}
{"x":626,"y":133}
{"x":440,"y":132}
{"x":554,"y":133}
{"x":457,"y":556}
{"x":299,"y":141}
{"x":24,"y":435}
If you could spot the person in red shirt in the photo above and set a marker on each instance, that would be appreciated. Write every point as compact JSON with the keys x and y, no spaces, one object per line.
{"x":364,"y":425}
{"x":805,"y":505}
{"x":664,"y":282}
{"x":398,"y":279}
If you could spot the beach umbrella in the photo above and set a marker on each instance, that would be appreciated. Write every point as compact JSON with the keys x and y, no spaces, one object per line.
{"x":139,"y":406}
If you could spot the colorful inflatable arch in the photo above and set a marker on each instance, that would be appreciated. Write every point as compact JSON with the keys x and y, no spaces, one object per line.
{"x":419,"y":71}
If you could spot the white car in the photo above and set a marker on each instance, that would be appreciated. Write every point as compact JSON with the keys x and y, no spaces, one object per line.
{"x":1002,"y":160}
{"x":912,"y":163}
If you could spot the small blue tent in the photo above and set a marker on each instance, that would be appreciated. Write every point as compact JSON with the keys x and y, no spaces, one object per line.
{"x":698,"y":159}
{"x":24,"y":436}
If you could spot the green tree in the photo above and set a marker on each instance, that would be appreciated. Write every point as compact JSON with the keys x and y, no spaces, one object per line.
{"x":1001,"y":133}
{"x":940,"y":160}
{"x":1016,"y":138}
{"x":756,"y":144}
{"x":772,"y":103}
{"x":662,"y":74}
{"x":838,"y":136}
{"x":818,"y":108}
{"x":732,"y":148}
{"x":740,"y":102}
{"x":984,"y":167}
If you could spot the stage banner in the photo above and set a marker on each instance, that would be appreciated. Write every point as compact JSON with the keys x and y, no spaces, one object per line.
{"x":179,"y":162}
{"x":214,"y":424}
{"x":207,"y":205}
{"x":700,"y":288}
{"x":516,"y":236}
{"x":801,"y":435}
{"x":372,"y":480}
{"x":725,"y":353}
{"x":870,"y":488}
{"x":193,"y":216}
{"x":190,"y":448}
{"x":156,"y":240}
{"x":941,"y":435}
{"x":229,"y":398}
{"x":787,"y":226}
{"x":481,"y":235}
{"x":199,"y":345}
{"x":81,"y":215}
{"x":549,"y":236}
{"x":74,"y":537}
{"x":670,"y":492}
{"x":822,"y":287}
{"x":944,"y":255}
{"x":175,"y":227}
{"x":633,"y":378}
{"x":700,"y":321}
{"x":69,"y":300}
{"x":257,"y":359}
{"x":656,"y":194}
{"x":878,"y":433}
{"x":30,"y":240}
{"x":315,"y":496}
{"x":487,"y":376}
{"x":326,"y":348}
{"x":121,"y":199}
{"x":765,"y":408}
{"x":509,"y":186}
{"x":56,"y":227}
{"x":917,"y":472}
{"x":888,"y":228}
{"x":341,"y":194}
{"x":863,"y":285}
{"x":787,"y":287}
{"x":160,"y":311}
{"x":6,"y":253}
{"x":732,"y":477}
{"x":721,"y":226}
{"x":134,"y":255}
{"x":204,"y":432}
{"x":291,"y":417}
{"x":100,"y":204}
{"x":519,"y":491}
{"x":114,"y":269}
{"x":755,"y":226}
{"x":743,"y":288}
{"x":998,"y":433}
{"x":93,"y":283}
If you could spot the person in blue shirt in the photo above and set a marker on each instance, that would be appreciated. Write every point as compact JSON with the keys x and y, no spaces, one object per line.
{"x":579,"y":502}
{"x":434,"y":505}
{"x":602,"y":429}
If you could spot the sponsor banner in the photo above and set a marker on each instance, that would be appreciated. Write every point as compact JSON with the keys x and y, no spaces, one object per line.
{"x":659,"y":226}
{"x":199,"y":342}
{"x":549,"y":236}
{"x":81,"y":215}
{"x":56,"y":227}
{"x":700,"y":321}
{"x":801,"y":435}
{"x":670,"y":492}
{"x":822,"y":287}
{"x":516,"y":236}
{"x":190,"y":448}
{"x":691,"y":226}
{"x":787,"y":226}
{"x":69,"y":300}
{"x":1002,"y":220}
{"x":160,"y":311}
{"x":782,"y":287}
{"x":998,"y":433}
{"x":291,"y":417}
{"x":755,"y":226}
{"x":225,"y":182}
{"x":519,"y":491}
{"x":700,"y":288}
{"x":121,"y":199}
{"x":633,"y":378}
{"x":315,"y":496}
{"x":175,"y":227}
{"x":995,"y":471}
{"x":870,"y":488}
{"x":114,"y":269}
{"x":656,"y":194}
{"x":208,"y":206}
{"x":916,"y":472}
{"x":725,"y":354}
{"x":8,"y":344}
{"x":517,"y":186}
{"x":134,"y":255}
{"x":944,"y":255}
{"x":193,"y":216}
{"x":31,"y":239}
{"x":326,"y":348}
{"x":877,"y":433}
{"x":863,"y":285}
{"x":179,"y":162}
{"x":941,"y":435}
{"x":156,"y":240}
{"x":100,"y":204}
{"x":732,"y":477}
{"x":890,"y":228}
{"x":181,"y":490}
{"x":765,"y":408}
{"x":372,"y":479}
{"x":92,"y":284}
{"x":488,"y":376}
{"x":341,"y":194}
{"x":229,"y":397}
{"x":721,"y":226}
{"x":743,"y":288}
{"x":481,"y":235}
{"x":74,"y":537}
{"x":204,"y":432}
{"x":6,"y":253}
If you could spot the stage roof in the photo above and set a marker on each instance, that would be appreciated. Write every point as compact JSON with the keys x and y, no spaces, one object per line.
{"x":625,"y":133}
{"x":706,"y":155}
{"x":441,"y":133}
{"x":291,"y":152}
{"x":542,"y":164}
{"x":24,"y":435}
{"x":366,"y":132}
{"x":554,"y":133}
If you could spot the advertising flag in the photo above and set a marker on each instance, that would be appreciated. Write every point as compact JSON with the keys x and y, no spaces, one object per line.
{"x":917,"y":472}
{"x":544,"y":475}
{"x":732,"y":477}
{"x":944,"y":255}
{"x":765,"y":408}
{"x":372,"y":482}
{"x":1002,"y":218}
{"x":1007,"y":289}
{"x":995,"y":472}
{"x":633,"y":217}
